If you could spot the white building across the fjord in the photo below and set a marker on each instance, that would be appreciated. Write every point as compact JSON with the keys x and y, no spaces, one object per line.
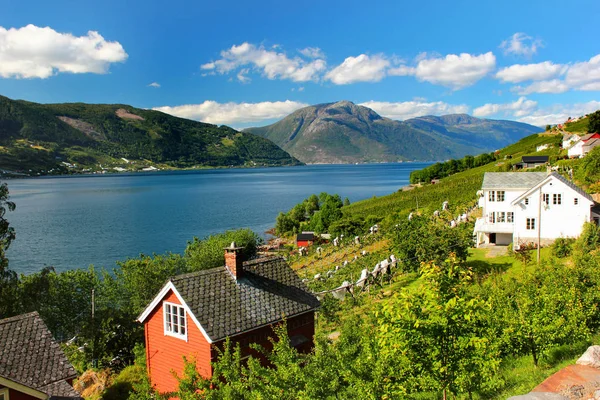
{"x":517,"y":206}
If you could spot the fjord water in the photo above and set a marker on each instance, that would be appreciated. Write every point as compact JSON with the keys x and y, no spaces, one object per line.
{"x":72,"y":222}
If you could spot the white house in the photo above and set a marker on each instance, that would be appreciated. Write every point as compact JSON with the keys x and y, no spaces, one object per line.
{"x":569,"y":140}
{"x":513,"y":210}
{"x":583,"y":145}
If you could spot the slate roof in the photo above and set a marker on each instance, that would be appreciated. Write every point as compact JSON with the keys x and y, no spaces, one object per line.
{"x":512,"y":180}
{"x":535,"y":159}
{"x":268,"y":291}
{"x":305,"y":236}
{"x":592,"y":143}
{"x":29,"y":355}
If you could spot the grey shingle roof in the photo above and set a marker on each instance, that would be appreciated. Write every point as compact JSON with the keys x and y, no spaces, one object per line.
{"x":512,"y":180}
{"x":29,"y":355}
{"x":268,"y":291}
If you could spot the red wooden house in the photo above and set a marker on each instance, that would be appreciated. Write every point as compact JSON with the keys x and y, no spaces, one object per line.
{"x":32,"y":364}
{"x":194,"y":313}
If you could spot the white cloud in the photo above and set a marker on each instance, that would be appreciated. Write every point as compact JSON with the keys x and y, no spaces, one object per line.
{"x":521,"y":44}
{"x":578,"y":76}
{"x":559,"y":113}
{"x":551,"y":86}
{"x":154,"y":85}
{"x":34,"y":52}
{"x":530,"y":72}
{"x":518,"y":108}
{"x":584,"y":75}
{"x":312,"y":52}
{"x":270,"y":63}
{"x":412,"y":109}
{"x":528,"y":111}
{"x":359,"y":69}
{"x":454,"y":71}
{"x":234,"y":114}
{"x":241,"y":76}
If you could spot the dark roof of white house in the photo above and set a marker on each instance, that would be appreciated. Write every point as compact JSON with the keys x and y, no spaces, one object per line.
{"x":30,"y":356}
{"x":268,"y":291}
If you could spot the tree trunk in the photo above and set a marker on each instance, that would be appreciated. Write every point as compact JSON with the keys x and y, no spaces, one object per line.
{"x":444,"y":394}
{"x":533,"y":352}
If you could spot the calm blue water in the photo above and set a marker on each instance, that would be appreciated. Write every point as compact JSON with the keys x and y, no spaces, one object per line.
{"x":72,"y":222}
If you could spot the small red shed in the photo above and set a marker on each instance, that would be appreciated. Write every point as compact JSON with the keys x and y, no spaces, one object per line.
{"x":195,"y":313}
{"x":305,"y":239}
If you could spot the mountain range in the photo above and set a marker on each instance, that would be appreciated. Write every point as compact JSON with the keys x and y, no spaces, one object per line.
{"x":344,"y":132}
{"x":43,"y":137}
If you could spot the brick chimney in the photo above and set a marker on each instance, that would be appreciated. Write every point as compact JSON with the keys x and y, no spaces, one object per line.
{"x":234,"y":261}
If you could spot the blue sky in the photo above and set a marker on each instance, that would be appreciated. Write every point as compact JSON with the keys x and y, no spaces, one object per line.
{"x":248,"y":63}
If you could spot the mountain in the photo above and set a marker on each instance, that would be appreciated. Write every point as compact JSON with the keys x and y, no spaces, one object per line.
{"x":344,"y":132}
{"x":40,"y":137}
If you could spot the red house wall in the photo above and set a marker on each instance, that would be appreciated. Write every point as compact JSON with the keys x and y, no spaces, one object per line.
{"x":165,"y":353}
{"x":304,"y":243}
{"x":300,"y":325}
{"x":16,"y":395}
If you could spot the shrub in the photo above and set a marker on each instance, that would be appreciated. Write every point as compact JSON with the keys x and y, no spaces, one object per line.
{"x":562,"y":247}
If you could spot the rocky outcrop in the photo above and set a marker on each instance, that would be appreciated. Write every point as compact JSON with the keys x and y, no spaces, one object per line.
{"x":591,"y":357}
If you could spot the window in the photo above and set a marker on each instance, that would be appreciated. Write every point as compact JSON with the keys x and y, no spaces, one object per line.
{"x":501,"y":217}
{"x":557,"y":198}
{"x":500,"y":195}
{"x":530,"y":223}
{"x":575,"y":201}
{"x":175,"y":321}
{"x":546,"y":198}
{"x":510,"y":217}
{"x":3,"y":394}
{"x":492,"y":218}
{"x":526,"y":201}
{"x":492,"y":196}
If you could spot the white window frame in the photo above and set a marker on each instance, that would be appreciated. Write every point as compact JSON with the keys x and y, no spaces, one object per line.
{"x":4,"y":392}
{"x":492,"y":218}
{"x":492,"y":195}
{"x":576,"y":201}
{"x":546,"y":198}
{"x":500,"y":195}
{"x":510,"y":217}
{"x":530,"y":224}
{"x":526,"y":201}
{"x":169,"y":330}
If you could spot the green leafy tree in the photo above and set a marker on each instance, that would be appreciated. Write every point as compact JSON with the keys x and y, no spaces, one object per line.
{"x":540,"y":310}
{"x":422,"y":239}
{"x":594,"y":122}
{"x":8,"y":279}
{"x":437,"y":334}
{"x":208,"y":253}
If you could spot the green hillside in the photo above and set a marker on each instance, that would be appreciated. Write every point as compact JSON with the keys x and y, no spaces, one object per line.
{"x":44,"y":137}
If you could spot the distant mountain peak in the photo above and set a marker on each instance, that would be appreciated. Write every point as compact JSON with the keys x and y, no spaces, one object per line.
{"x":344,"y":132}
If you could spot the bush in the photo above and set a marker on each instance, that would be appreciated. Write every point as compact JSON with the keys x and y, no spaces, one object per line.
{"x":562,"y":247}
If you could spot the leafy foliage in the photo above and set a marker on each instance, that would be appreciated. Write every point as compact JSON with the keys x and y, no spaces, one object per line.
{"x":208,"y":252}
{"x":450,"y":167}
{"x":424,"y":240}
{"x":594,"y":122}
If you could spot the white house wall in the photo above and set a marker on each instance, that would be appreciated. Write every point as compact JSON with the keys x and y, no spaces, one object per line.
{"x":564,"y":220}
{"x":576,"y":150}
